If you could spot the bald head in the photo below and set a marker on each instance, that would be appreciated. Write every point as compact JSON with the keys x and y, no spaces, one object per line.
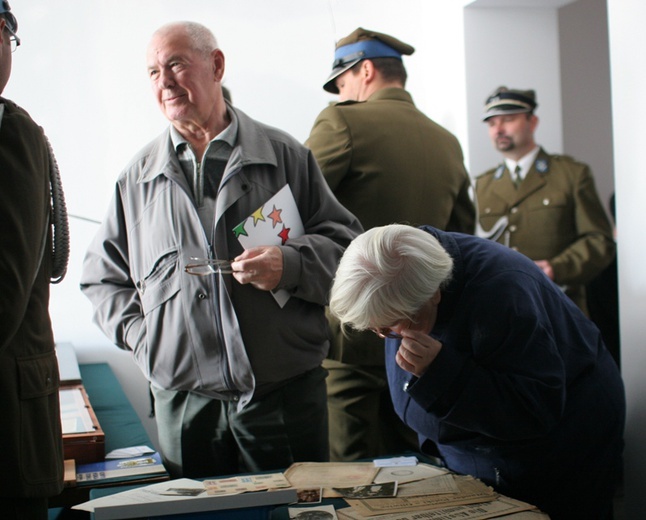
{"x":201,"y":38}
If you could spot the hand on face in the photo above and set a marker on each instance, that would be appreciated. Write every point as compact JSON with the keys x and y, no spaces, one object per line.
{"x":262,"y":267}
{"x":417,"y":351}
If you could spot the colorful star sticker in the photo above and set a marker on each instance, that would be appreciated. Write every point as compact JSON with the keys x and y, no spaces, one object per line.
{"x":275,"y":216}
{"x":240,"y":230}
{"x":257,"y":215}
{"x":284,"y":234}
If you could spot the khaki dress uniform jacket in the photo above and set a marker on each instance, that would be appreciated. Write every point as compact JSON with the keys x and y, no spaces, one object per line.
{"x":555,"y":214}
{"x":30,"y":430}
{"x":389,"y":163}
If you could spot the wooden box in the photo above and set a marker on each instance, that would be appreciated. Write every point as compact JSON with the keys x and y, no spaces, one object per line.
{"x":83,"y":438}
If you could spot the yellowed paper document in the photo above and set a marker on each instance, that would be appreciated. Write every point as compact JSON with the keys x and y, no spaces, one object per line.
{"x":471,"y":491}
{"x":429,"y":486}
{"x":330,"y":474}
{"x":503,"y":506}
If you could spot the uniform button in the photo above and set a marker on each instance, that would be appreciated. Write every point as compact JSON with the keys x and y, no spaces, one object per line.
{"x":235,"y":399}
{"x":514,"y":210}
{"x":202,"y":296}
{"x":546,"y":202}
{"x":513,"y":228}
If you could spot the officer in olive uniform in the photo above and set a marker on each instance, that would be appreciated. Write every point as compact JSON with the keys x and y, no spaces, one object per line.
{"x":545,"y":206}
{"x":386,"y":162}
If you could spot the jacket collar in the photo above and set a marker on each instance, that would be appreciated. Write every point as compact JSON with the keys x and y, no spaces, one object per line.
{"x":534,"y":180}
{"x":252,"y":147}
{"x":392,"y":93}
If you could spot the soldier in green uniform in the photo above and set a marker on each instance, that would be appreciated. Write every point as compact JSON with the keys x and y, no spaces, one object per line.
{"x":545,"y":206}
{"x":386,"y":162}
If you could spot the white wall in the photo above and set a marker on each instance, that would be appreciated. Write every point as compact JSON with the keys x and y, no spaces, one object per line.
{"x":516,"y":47}
{"x":80,"y":72}
{"x":627,"y":19}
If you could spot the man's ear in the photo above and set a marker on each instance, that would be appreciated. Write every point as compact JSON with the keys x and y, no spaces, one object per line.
{"x":217,"y":59}
{"x":368,"y":71}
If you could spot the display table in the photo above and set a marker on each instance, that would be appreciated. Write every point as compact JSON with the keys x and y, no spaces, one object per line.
{"x":121,"y":425}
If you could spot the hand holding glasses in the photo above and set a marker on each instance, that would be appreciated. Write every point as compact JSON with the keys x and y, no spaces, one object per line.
{"x":207,"y":266}
{"x":386,"y":332}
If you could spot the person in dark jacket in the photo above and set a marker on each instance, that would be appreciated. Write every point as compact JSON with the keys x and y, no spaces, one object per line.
{"x":30,"y":429}
{"x":492,"y":363}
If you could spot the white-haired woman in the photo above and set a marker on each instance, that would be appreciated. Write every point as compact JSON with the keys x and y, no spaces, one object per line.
{"x":491,"y":363}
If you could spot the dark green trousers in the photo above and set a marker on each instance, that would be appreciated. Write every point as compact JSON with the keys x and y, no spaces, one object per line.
{"x":363,"y":423}
{"x":203,"y":437}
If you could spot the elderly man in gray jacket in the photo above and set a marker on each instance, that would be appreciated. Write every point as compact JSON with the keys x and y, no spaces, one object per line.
{"x":234,"y":354}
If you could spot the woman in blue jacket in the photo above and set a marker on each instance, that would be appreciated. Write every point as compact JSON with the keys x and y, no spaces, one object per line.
{"x":489,"y":361}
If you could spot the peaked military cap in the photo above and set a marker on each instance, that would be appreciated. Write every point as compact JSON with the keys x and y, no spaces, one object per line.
{"x":363,"y":44}
{"x":509,"y":101}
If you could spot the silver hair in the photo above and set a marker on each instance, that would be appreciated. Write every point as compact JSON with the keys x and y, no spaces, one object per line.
{"x":203,"y":39}
{"x":387,"y":274}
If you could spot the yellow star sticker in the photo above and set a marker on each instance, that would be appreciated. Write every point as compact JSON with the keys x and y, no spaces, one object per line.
{"x":257,"y":215}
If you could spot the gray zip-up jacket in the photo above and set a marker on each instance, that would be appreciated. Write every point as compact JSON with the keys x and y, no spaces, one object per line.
{"x":182,"y":329}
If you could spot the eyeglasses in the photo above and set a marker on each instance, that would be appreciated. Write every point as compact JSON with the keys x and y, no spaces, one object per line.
{"x":15,"y":41}
{"x":207,"y":266}
{"x":386,"y":332}
{"x":12,"y":26}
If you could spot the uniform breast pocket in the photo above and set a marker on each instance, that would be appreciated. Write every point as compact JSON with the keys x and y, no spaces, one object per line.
{"x":161,"y":282}
{"x":550,"y":210}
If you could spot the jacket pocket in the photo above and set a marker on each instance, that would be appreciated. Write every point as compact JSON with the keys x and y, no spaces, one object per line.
{"x":161,"y":282}
{"x":41,"y":449}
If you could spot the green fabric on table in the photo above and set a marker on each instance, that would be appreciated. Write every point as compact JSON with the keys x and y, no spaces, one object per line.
{"x":118,"y":419}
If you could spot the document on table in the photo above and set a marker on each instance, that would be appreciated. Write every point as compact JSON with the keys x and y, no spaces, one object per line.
{"x":164,"y":491}
{"x":471,"y":491}
{"x":429,"y":486}
{"x":503,"y":506}
{"x":329,"y":475}
{"x":408,"y":473}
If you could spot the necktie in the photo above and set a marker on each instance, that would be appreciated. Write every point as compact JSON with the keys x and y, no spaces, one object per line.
{"x":516,"y":177}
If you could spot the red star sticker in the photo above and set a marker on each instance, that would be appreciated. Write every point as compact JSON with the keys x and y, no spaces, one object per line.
{"x":284,"y":234}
